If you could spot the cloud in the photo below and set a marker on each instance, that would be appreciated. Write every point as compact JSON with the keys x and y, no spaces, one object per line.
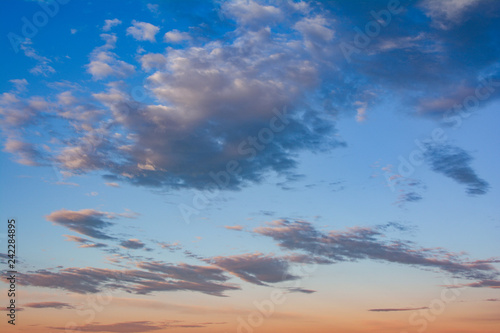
{"x":369,"y":244}
{"x":170,"y":246}
{"x":176,"y":36}
{"x":208,"y":103}
{"x":234,"y":227}
{"x":454,"y":162}
{"x":255,"y":268}
{"x":251,"y":13}
{"x":112,"y":184}
{"x":153,"y":8}
{"x":447,"y":13}
{"x":397,"y":309}
{"x":104,"y":63}
{"x":230,"y":104}
{"x":487,"y":283}
{"x":158,"y":277}
{"x":42,"y":67}
{"x":301,"y":290}
{"x":132,"y":244}
{"x":87,"y":222}
{"x":143,"y":31}
{"x":19,"y":84}
{"x":185,"y":272}
{"x":153,"y":61}
{"x":131,"y":326}
{"x":108,"y":24}
{"x":53,"y":305}
{"x":26,"y":153}
{"x":84,"y":243}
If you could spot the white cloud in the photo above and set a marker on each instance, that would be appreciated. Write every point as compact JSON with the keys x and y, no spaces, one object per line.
{"x":108,"y":24}
{"x":155,"y":9}
{"x":42,"y":67}
{"x":153,"y":60}
{"x":175,"y":36}
{"x":143,"y":31}
{"x":446,"y":13}
{"x":104,"y":63}
{"x":251,"y":13}
{"x":19,"y":84}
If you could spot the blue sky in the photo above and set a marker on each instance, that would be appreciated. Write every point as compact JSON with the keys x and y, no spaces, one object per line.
{"x":363,"y":135}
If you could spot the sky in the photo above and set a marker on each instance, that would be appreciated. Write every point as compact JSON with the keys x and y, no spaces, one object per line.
{"x":251,"y":166}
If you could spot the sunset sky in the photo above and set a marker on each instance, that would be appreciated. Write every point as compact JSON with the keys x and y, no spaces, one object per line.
{"x":251,"y":166}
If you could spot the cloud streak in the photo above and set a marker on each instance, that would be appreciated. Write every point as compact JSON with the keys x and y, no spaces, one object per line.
{"x":366,"y":244}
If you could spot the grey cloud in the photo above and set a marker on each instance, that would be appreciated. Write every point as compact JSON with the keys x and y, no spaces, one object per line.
{"x":93,"y":280}
{"x":84,"y":243}
{"x":255,"y":268}
{"x":132,"y":244}
{"x":54,"y":305}
{"x":455,"y":163}
{"x":130,"y":326}
{"x":367,"y":243}
{"x":87,"y":222}
{"x":397,"y":309}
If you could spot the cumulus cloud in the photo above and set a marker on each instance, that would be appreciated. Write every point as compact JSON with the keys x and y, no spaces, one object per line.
{"x":108,"y":24}
{"x":105,"y":63}
{"x":455,"y":163}
{"x":208,"y":103}
{"x":176,"y":36}
{"x":153,"y":61}
{"x":252,"y":13}
{"x":143,"y":31}
{"x":447,"y":13}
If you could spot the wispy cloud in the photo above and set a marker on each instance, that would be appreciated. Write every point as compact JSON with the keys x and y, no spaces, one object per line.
{"x":368,"y":243}
{"x":132,"y":326}
{"x":397,"y":309}
{"x":87,"y":222}
{"x":143,"y":31}
{"x":455,"y":163}
{"x":53,"y":305}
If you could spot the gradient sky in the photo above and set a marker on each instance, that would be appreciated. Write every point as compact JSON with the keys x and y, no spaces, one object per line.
{"x":252,"y":166}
